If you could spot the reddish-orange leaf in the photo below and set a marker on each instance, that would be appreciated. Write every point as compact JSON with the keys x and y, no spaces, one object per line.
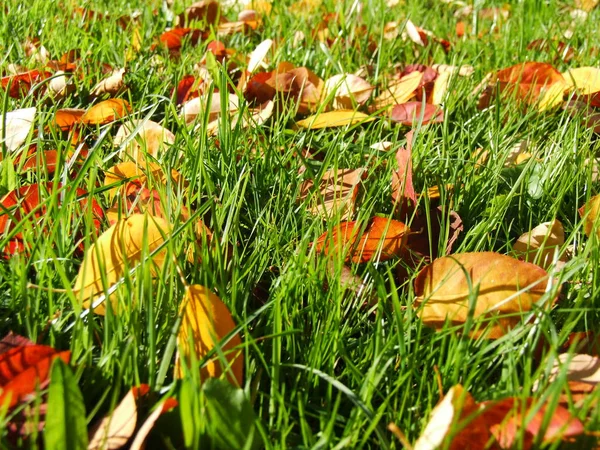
{"x":188,"y":88}
{"x":412,"y":113}
{"x":18,"y":85}
{"x":106,"y":112}
{"x":173,"y":39}
{"x":402,"y":184}
{"x":12,"y":341}
{"x":383,"y":239}
{"x":258,"y":90}
{"x":506,"y":417}
{"x":24,"y":368}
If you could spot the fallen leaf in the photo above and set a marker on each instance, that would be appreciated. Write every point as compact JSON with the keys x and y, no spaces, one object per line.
{"x":589,"y":213}
{"x":139,"y":443}
{"x":22,"y":369}
{"x":206,"y":11}
{"x":11,"y":341}
{"x":114,"y":430}
{"x":539,"y":245}
{"x":150,"y":138}
{"x":382,"y":239}
{"x":206,"y":322}
{"x":173,"y":39}
{"x":66,"y":119}
{"x":334,"y":194}
{"x":106,"y":112}
{"x":402,"y":184}
{"x":198,"y":106}
{"x":583,"y":371}
{"x":19,"y":84}
{"x":348,"y":91}
{"x":399,"y":91}
{"x":504,"y":289}
{"x":339,"y":118}
{"x":112,"y":85}
{"x":147,"y":175}
{"x":116,"y":251}
{"x":259,"y":54}
{"x":411,"y":113}
{"x":15,"y":126}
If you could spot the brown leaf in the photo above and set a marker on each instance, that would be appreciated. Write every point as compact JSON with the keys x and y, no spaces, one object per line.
{"x":114,"y":430}
{"x":505,"y":289}
{"x":206,"y":11}
{"x":589,"y":214}
{"x":348,"y":91}
{"x":335,"y":193}
{"x":383,"y":239}
{"x":402,"y":184}
{"x":112,"y":85}
{"x":538,"y":245}
{"x":205,"y":323}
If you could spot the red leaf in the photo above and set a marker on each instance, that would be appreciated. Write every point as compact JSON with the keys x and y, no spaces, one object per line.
{"x":185,"y":89}
{"x":173,"y":39}
{"x":23,"y":368}
{"x":11,"y":341}
{"x":22,"y":82}
{"x":411,"y":112}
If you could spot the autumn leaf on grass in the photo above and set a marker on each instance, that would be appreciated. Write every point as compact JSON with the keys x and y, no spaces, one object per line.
{"x":461,"y":423}
{"x":65,"y":119}
{"x":539,"y":245}
{"x":12,"y":341}
{"x":173,"y":39}
{"x":148,"y":175}
{"x":586,"y":82}
{"x":582,"y":372}
{"x":530,"y":82}
{"x":382,"y":239}
{"x":413,"y":113}
{"x":256,"y":57}
{"x":19,"y":84}
{"x":115,"y":430}
{"x":334,"y":194}
{"x":504,"y":289}
{"x":398,"y":91}
{"x":348,"y":91}
{"x":112,"y":85}
{"x":450,"y":415}
{"x":205,"y":323}
{"x":23,"y":369}
{"x":148,"y":137}
{"x":300,"y":84}
{"x":15,"y":127}
{"x":589,"y":213}
{"x":106,"y":112}
{"x":207,"y":12}
{"x":402,"y":184}
{"x":509,"y":417}
{"x":22,"y":208}
{"x":199,"y":106}
{"x":115,"y":252}
{"x":339,"y":118}
{"x":139,"y":443}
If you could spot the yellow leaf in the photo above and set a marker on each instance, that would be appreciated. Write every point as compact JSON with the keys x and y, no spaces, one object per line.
{"x":116,"y":251}
{"x":399,"y":91}
{"x":338,"y":118}
{"x":206,"y":322}
{"x":585,"y":79}
{"x":150,"y":138}
{"x":538,"y":245}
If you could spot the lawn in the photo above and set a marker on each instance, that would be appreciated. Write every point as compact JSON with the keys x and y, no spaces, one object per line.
{"x":299,"y":224}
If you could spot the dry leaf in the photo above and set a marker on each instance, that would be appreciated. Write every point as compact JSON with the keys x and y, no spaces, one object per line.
{"x":206,"y":322}
{"x":399,"y":91}
{"x":440,"y":88}
{"x":348,"y":91}
{"x":589,"y":214}
{"x":539,"y":245}
{"x":505,"y":289}
{"x":402,"y":184}
{"x":139,"y":443}
{"x":383,"y":239}
{"x":150,"y":139}
{"x":340,"y":118}
{"x":114,"y":431}
{"x":259,"y":54}
{"x":15,"y":127}
{"x":112,"y":85}
{"x":335,"y":194}
{"x":198,"y":106}
{"x":115,"y":252}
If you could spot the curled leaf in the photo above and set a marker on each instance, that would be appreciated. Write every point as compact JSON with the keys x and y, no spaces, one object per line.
{"x":106,"y":112}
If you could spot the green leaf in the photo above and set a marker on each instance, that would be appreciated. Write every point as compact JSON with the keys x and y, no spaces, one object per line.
{"x":66,"y":427}
{"x":230,"y":416}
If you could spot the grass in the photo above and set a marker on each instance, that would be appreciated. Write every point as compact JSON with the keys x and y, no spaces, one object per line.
{"x":324,"y":367}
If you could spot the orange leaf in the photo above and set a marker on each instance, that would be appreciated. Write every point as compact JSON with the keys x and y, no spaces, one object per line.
{"x":106,"y":112}
{"x":22,"y":369}
{"x":382,"y":240}
{"x":173,"y":39}
{"x":67,"y":118}
{"x":505,"y":289}
{"x":206,"y":322}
